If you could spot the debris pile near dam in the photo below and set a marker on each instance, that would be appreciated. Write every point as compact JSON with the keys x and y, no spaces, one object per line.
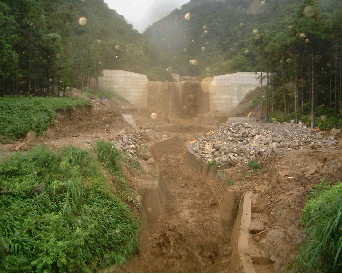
{"x":240,"y":142}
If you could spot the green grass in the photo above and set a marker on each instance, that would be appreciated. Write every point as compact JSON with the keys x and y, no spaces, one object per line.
{"x":109,"y":155}
{"x":19,"y":115}
{"x":113,"y":160}
{"x":58,"y":215}
{"x":254,"y":165}
{"x":322,"y":220}
{"x":230,"y":182}
{"x":213,"y":164}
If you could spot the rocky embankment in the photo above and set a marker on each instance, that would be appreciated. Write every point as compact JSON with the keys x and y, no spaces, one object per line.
{"x":238,"y":143}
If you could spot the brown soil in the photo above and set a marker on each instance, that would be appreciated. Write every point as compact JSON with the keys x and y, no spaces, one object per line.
{"x":186,"y":223}
{"x":280,"y":191}
{"x":185,"y":229}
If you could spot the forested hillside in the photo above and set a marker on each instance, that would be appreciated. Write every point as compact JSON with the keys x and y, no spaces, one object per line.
{"x":213,"y":33}
{"x":48,"y":45}
{"x":298,"y":44}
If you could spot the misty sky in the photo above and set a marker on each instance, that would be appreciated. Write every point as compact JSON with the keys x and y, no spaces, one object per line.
{"x":142,"y":13}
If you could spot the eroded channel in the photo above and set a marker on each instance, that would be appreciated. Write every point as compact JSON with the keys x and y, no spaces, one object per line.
{"x":188,"y":216}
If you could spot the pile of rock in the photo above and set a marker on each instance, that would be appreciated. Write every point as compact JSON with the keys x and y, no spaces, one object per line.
{"x":129,"y":142}
{"x":241,"y":142}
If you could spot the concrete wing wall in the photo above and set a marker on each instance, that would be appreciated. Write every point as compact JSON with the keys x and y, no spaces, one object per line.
{"x":227,"y":91}
{"x":129,"y":85}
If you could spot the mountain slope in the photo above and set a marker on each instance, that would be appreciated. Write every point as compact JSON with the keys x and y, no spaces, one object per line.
{"x":216,"y":34}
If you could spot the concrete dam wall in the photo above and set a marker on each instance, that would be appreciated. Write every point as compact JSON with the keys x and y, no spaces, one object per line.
{"x":219,"y":94}
{"x":131,"y":86}
{"x":227,"y":91}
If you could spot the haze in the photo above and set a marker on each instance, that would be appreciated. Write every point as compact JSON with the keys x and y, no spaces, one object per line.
{"x":142,"y":13}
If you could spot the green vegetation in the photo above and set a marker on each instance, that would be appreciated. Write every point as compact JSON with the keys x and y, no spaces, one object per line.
{"x":296,"y":43}
{"x":213,"y":164}
{"x":322,"y":219}
{"x":113,"y":160}
{"x":58,"y":214}
{"x":300,"y":55}
{"x":230,"y":182}
{"x":110,"y":156}
{"x":217,"y":35}
{"x":19,"y":115}
{"x":48,"y":46}
{"x":324,"y":120}
{"x":254,"y":165}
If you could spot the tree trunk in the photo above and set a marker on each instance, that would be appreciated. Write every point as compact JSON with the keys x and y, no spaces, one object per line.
{"x":261,"y":82}
{"x":336,"y":84}
{"x":267,"y":96}
{"x":296,"y":98}
{"x":312,"y":92}
{"x":339,"y":99}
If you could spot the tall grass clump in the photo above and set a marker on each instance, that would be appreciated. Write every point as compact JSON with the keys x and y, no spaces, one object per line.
{"x":57,"y":215}
{"x":112,"y":159}
{"x":322,"y":219}
{"x":110,"y":156}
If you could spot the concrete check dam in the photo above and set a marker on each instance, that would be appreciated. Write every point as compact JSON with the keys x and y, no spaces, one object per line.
{"x":186,"y":97}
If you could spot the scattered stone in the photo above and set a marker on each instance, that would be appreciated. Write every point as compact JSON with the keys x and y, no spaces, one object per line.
{"x":129,"y":143}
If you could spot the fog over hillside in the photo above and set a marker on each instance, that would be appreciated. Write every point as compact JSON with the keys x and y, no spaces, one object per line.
{"x":142,"y":13}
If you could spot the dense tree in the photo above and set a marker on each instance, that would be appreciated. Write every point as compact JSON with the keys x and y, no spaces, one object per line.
{"x":302,"y":53}
{"x":45,"y":47}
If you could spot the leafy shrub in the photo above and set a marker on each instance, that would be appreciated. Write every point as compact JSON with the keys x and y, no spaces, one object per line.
{"x":330,"y":123}
{"x":332,"y":120}
{"x":322,"y":219}
{"x":19,"y":115}
{"x":58,"y":216}
{"x":282,"y":117}
{"x":254,"y":165}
